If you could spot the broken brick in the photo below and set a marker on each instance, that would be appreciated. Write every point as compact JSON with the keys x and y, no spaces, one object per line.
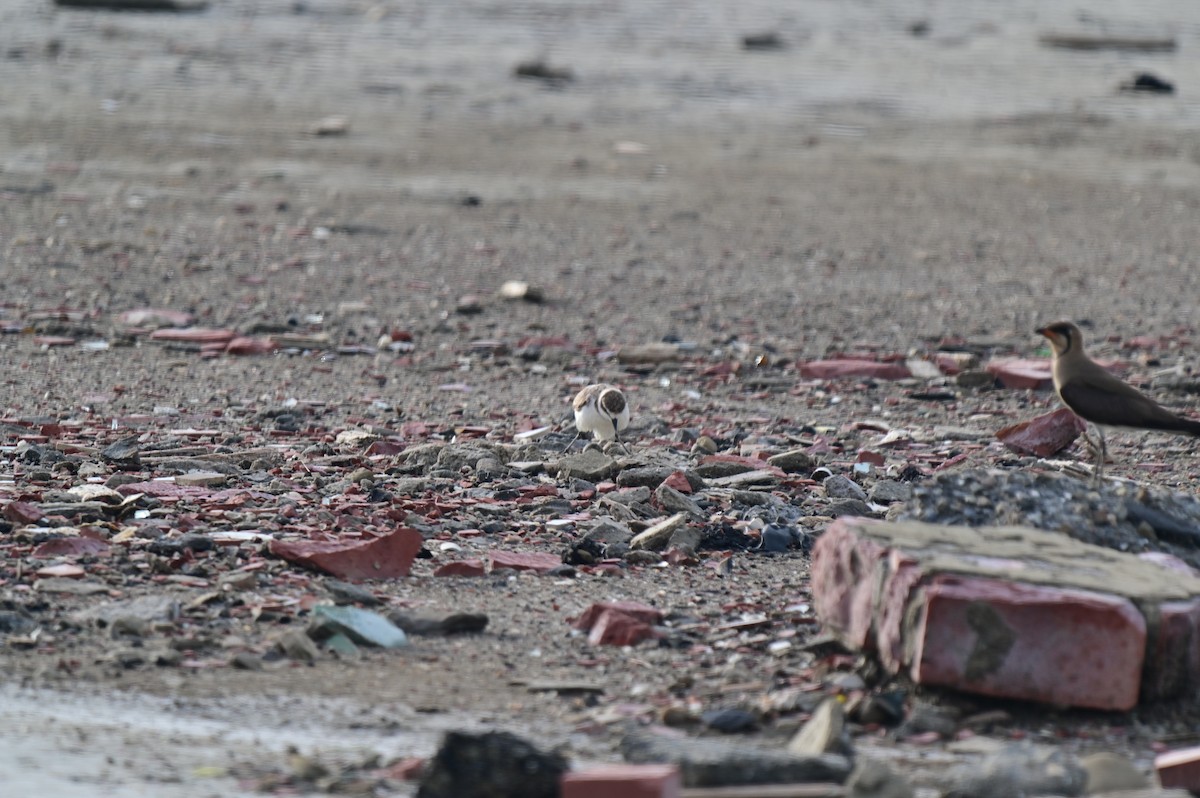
{"x":628,"y":781}
{"x":1045,"y":435}
{"x":539,"y":562}
{"x":634,"y":609}
{"x":615,"y":628}
{"x":383,"y":557}
{"x":1179,"y":769}
{"x":1010,"y":612}
{"x":1022,"y":373}
{"x":845,"y":368}
{"x":461,"y":568}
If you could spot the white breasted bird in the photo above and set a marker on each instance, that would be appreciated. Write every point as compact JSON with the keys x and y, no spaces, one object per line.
{"x":1096,"y":396}
{"x":602,"y":410}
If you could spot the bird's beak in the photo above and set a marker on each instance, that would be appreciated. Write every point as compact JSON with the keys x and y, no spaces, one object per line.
{"x":1043,"y":331}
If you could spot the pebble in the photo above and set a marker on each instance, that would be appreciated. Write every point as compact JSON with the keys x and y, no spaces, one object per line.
{"x":673,"y":501}
{"x":730,"y":721}
{"x":657,"y":536}
{"x":793,"y":461}
{"x":890,"y":491}
{"x":872,"y":779}
{"x":1107,"y":772}
{"x":297,"y":645}
{"x":824,"y":733}
{"x":839,"y":486}
{"x":592,"y":465}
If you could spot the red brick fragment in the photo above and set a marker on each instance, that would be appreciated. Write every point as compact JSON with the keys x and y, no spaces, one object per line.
{"x":539,"y":562}
{"x":1179,"y":769}
{"x":1045,"y":435}
{"x":627,"y":781}
{"x":461,"y":568}
{"x":70,"y":547}
{"x":851,"y":367}
{"x":635,"y":609}
{"x":23,"y":513}
{"x":246,"y":345}
{"x":383,"y":557}
{"x":615,"y":628}
{"x":193,"y":335}
{"x":679,"y":481}
{"x":1021,"y":373}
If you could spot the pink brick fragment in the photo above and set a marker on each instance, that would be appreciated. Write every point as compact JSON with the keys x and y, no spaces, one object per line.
{"x":539,"y":562}
{"x":1020,"y":373}
{"x":461,"y":568}
{"x":844,"y":368}
{"x":627,"y":781}
{"x":1060,"y":646}
{"x":1045,"y":435}
{"x":383,"y":557}
{"x":634,"y":609}
{"x":845,"y":575}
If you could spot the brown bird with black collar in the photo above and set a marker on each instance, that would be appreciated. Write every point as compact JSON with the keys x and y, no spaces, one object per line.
{"x":1096,"y":396}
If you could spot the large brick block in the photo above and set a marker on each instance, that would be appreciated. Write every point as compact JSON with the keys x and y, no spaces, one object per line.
{"x":1010,"y":612}
{"x":1034,"y":642}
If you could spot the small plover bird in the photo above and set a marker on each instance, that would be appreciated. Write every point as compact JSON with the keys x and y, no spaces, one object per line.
{"x":602,"y":410}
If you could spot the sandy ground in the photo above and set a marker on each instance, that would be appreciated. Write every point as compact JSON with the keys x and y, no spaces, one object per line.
{"x":863,"y":188}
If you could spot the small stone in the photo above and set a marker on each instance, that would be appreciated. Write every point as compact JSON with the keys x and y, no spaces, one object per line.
{"x":673,"y":501}
{"x":245,"y":661}
{"x":713,"y":762}
{"x":124,"y":450}
{"x":1107,"y":772}
{"x":362,"y":626}
{"x":890,"y":491}
{"x":297,"y":645}
{"x":657,"y":536}
{"x":590,"y":464}
{"x":762,"y":476}
{"x":360,"y":474}
{"x":648,"y":354}
{"x":644,"y":476}
{"x":468,"y":305}
{"x":824,"y":733}
{"x":346,"y":593}
{"x":335,"y":125}
{"x":204,"y":479}
{"x":793,"y":461}
{"x":840,"y":486}
{"x":342,"y":646}
{"x":730,"y":721}
{"x":706,"y":445}
{"x":872,"y":779}
{"x":849,"y":507}
{"x":521,"y":290}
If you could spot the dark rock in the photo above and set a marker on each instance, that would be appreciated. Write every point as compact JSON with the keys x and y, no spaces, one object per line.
{"x":890,"y":491}
{"x":456,"y":623}
{"x":645,"y":476}
{"x":718,"y":763}
{"x":590,"y":464}
{"x":839,"y":486}
{"x":730,"y":721}
{"x":491,"y":765}
{"x":346,"y":593}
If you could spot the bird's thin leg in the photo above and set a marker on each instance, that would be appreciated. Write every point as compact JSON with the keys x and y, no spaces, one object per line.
{"x":567,"y":448}
{"x":1099,"y":449}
